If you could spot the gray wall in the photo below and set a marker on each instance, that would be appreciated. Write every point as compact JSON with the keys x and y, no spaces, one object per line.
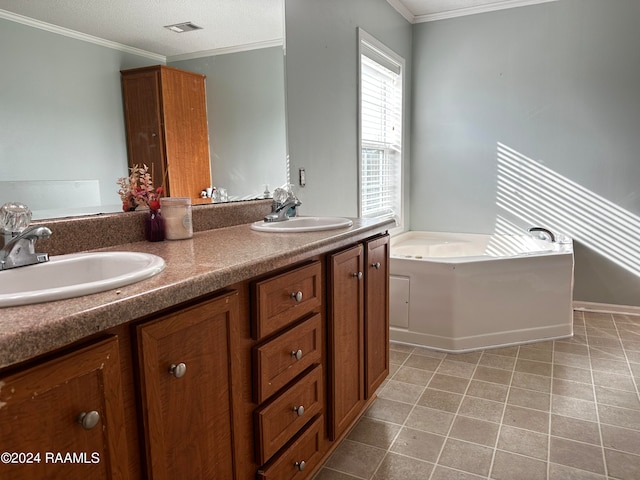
{"x":61,"y":108}
{"x":246,"y":113}
{"x":532,"y":116}
{"x":322,"y":96}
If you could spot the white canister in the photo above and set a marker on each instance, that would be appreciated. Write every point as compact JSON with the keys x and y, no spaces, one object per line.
{"x":176,"y":212}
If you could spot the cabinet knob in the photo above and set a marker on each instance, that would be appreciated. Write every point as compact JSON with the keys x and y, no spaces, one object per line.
{"x":178,"y":370}
{"x":297,"y":354}
{"x":299,"y":410}
{"x":88,"y":420}
{"x":300,"y":465}
{"x":297,"y":296}
{"x":357,"y":275}
{"x":376,"y":265}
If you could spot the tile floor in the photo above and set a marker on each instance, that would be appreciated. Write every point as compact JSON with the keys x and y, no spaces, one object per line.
{"x":563,"y":410}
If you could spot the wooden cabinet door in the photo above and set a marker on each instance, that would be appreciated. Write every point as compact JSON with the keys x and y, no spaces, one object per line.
{"x":186,"y":391}
{"x":143,"y":121}
{"x":40,"y":418}
{"x":376,"y":324}
{"x":345,"y":338}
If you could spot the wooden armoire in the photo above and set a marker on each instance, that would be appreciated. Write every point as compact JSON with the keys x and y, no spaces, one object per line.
{"x":166,"y":124}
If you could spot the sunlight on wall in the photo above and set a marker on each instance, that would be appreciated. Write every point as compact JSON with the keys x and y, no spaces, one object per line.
{"x":541,"y":197}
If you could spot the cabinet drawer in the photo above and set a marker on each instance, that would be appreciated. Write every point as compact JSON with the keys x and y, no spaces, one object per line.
{"x":280,"y":360}
{"x":300,"y":458}
{"x":285,"y":298}
{"x":277,"y":422}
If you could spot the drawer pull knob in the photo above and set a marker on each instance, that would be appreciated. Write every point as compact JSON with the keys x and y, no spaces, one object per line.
{"x":178,"y":370}
{"x":297,"y":354}
{"x":300,"y":465}
{"x":376,"y":265}
{"x":88,"y":420}
{"x":357,"y":275}
{"x":297,"y":296}
{"x":299,"y":410}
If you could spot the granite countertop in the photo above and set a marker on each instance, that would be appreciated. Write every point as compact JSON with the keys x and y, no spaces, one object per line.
{"x":210,"y":261}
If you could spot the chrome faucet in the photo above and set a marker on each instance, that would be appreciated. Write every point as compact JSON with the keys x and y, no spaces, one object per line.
{"x":19,"y":251}
{"x":281,"y":208}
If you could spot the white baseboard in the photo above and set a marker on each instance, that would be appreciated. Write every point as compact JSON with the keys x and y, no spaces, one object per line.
{"x":606,"y":308}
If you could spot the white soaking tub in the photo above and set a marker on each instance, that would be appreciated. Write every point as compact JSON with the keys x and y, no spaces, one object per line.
{"x":459,"y":292}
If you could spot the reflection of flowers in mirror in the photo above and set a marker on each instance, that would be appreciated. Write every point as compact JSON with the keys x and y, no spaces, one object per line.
{"x":137,"y":190}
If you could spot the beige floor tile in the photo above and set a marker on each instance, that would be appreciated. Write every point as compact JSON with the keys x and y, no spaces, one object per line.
{"x":418,"y":444}
{"x":401,"y":347}
{"x":449,"y":383}
{"x":439,"y":400}
{"x":529,"y":399}
{"x":414,"y":376}
{"x":475,"y":431}
{"x":537,"y":354}
{"x":573,"y":407}
{"x":423,"y":362}
{"x":622,"y":439}
{"x":622,"y":466}
{"x":493,"y":375}
{"x":356,"y":459}
{"x":562,"y":472}
{"x":489,"y":391}
{"x":389,"y":410}
{"x":328,"y":474}
{"x":536,"y":368}
{"x":399,"y":467}
{"x":617,"y":398}
{"x":507,"y":466}
{"x":575,"y":429}
{"x":568,"y":407}
{"x":401,"y":392}
{"x":524,"y":442}
{"x":467,"y":457}
{"x":621,"y":417}
{"x":374,"y":432}
{"x":430,"y":420}
{"x":445,"y":473}
{"x":574,"y":374}
{"x":497,"y":361}
{"x":481,"y":409}
{"x":576,"y":454}
{"x":526,"y":418}
{"x":456,"y":369}
{"x":538,"y":383}
{"x":567,"y":388}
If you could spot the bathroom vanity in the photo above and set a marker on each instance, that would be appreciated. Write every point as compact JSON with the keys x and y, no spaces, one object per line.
{"x":250,"y":356}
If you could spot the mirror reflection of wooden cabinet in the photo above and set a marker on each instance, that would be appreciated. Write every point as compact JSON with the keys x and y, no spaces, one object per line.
{"x":166,"y":123}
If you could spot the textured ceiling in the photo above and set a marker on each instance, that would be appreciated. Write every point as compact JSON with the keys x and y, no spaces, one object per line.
{"x":139,"y":23}
{"x":228,"y":24}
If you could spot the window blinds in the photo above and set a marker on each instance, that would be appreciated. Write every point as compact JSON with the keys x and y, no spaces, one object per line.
{"x":381,"y":133}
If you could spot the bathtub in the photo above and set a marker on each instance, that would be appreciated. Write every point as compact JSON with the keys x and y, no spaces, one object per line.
{"x":461,"y":292}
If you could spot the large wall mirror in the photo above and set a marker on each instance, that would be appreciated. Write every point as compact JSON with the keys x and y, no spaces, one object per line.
{"x":62,"y":135}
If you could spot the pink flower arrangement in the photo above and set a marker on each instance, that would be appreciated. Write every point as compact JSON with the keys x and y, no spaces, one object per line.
{"x":137,"y":190}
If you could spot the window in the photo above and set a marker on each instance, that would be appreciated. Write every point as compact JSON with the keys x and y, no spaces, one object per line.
{"x":381,"y":113}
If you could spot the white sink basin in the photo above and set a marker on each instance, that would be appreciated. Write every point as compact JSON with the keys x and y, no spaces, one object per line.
{"x":302,"y":224}
{"x":74,"y":275}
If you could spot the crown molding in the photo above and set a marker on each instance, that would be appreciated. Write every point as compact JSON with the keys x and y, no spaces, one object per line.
{"x":31,"y":22}
{"x":460,"y":12}
{"x":402,"y":10}
{"x":224,"y":50}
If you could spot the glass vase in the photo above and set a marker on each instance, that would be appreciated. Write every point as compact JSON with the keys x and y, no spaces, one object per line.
{"x":154,"y":226}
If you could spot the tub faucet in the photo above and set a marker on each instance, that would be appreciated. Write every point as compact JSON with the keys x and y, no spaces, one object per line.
{"x":544,"y":233}
{"x":281,"y":208}
{"x":20,"y":251}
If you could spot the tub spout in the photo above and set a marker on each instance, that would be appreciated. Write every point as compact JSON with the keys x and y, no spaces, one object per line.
{"x":543,"y":233}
